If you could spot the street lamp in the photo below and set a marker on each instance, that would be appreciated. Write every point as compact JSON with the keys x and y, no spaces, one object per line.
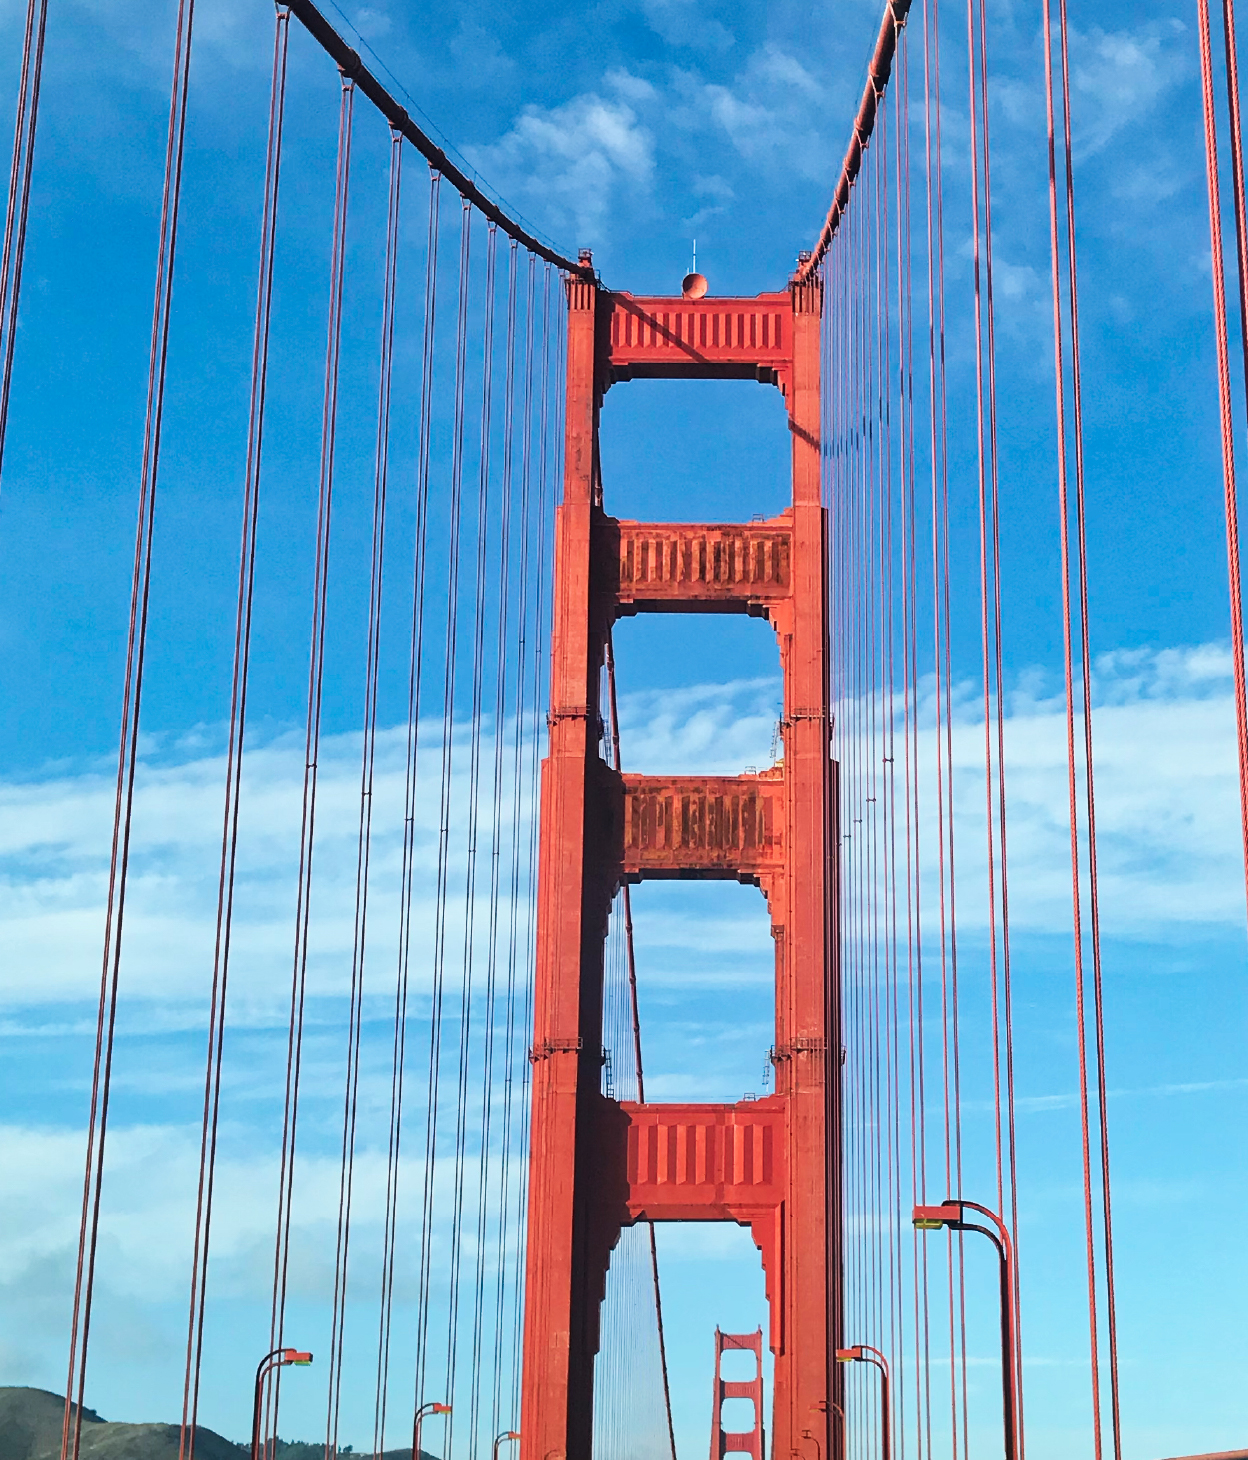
{"x":416,"y":1423}
{"x":865,"y":1354}
{"x":828,"y":1406}
{"x":277,"y":1358}
{"x":506,"y":1435}
{"x":951,"y":1214}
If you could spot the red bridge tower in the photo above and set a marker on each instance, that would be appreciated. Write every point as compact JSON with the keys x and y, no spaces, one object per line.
{"x":597,"y":1164}
{"x":738,"y":1442}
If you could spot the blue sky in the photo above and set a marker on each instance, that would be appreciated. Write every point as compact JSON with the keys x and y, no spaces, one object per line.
{"x":631,"y":128}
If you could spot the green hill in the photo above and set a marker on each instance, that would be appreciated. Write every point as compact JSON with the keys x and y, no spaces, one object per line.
{"x":30,"y":1429}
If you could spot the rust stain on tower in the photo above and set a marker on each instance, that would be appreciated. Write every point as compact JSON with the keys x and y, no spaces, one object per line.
{"x":598,"y":1165}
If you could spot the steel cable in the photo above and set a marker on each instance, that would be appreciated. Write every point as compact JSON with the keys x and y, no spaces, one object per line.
{"x":364,"y":831}
{"x":1076,"y":429}
{"x":468,"y":969}
{"x":432,"y":1107}
{"x":407,"y":856}
{"x":1231,"y":497}
{"x":514,"y":865}
{"x":17,"y":208}
{"x":234,"y":747}
{"x":312,"y":741}
{"x":990,"y":550}
{"x":634,"y":1013}
{"x":128,"y":744}
{"x":503,"y":582}
{"x":550,"y":425}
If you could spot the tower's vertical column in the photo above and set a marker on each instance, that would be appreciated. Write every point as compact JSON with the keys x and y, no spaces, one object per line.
{"x":556,"y":1412}
{"x":805,"y":962}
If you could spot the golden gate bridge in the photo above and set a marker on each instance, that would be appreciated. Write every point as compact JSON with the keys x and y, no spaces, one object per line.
{"x":524,"y":1170}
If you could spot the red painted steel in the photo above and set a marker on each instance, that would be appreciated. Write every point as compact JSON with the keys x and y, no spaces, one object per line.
{"x":704,"y":826}
{"x":738,"y":1442}
{"x":698,"y":1163}
{"x":598,"y":1165}
{"x":701,"y":339}
{"x":694,"y":567}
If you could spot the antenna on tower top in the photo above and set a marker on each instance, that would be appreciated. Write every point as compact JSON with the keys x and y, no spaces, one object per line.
{"x":694,"y":285}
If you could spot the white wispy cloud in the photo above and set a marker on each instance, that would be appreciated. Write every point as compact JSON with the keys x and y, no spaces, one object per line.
{"x":1167,"y":808}
{"x":1170,"y":865}
{"x":687,"y":23}
{"x":1118,"y":77}
{"x":1170,"y":856}
{"x":570,"y":164}
{"x":771,"y":108}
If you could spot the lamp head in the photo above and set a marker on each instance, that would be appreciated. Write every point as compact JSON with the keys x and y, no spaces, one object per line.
{"x":440,"y":1409}
{"x":294,"y":1356}
{"x":848,"y":1355}
{"x":513,"y":1434}
{"x":931,"y":1219}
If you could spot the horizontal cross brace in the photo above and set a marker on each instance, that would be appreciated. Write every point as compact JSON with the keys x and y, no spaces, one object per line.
{"x":694,"y":567}
{"x":704,"y":826}
{"x":710,"y":338}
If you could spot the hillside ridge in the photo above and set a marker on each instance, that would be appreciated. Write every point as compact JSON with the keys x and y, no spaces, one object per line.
{"x":31,"y":1420}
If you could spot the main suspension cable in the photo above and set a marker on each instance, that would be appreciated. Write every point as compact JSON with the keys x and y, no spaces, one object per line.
{"x":350,"y":64}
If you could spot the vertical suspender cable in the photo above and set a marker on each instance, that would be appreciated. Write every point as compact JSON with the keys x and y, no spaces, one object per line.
{"x":18,"y":206}
{"x":505,"y":1196}
{"x":364,"y":833}
{"x":407,"y":857}
{"x":1094,"y":914}
{"x":234,"y":749}
{"x":635,"y":1020}
{"x":985,"y":467}
{"x":942,"y":664}
{"x":914,"y":949}
{"x":998,"y":658}
{"x":503,"y":588}
{"x":913,"y":580}
{"x":894,"y":478}
{"x":316,"y":673}
{"x":468,"y":967}
{"x":549,"y":458}
{"x":1231,"y":496}
{"x":1090,"y":799}
{"x":128,"y":747}
{"x":432,"y":1107}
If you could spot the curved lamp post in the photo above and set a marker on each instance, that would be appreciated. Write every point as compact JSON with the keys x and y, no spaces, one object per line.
{"x":419,"y":1420}
{"x":277,"y":1358}
{"x":829,"y":1406}
{"x":951,"y":1214}
{"x":865,"y":1354}
{"x":506,"y":1435}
